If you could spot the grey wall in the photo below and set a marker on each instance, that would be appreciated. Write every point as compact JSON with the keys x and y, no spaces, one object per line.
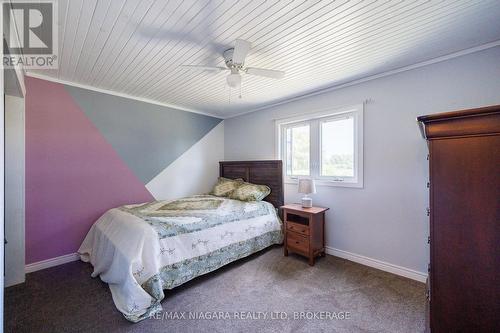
{"x":386,"y":219}
{"x":147,"y":137}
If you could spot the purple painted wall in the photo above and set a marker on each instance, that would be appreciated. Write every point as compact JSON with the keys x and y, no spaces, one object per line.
{"x":73,"y":175}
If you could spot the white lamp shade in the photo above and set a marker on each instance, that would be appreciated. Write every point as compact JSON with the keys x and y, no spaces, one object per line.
{"x":234,"y":80}
{"x":307,"y":186}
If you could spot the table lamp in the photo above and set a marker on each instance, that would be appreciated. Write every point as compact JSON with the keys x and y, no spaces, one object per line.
{"x":307,"y":187}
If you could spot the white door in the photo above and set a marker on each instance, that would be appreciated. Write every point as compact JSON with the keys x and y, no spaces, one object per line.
{"x":1,"y":185}
{"x":14,"y":190}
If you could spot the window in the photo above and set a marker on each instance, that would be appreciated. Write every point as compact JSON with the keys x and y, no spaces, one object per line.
{"x":297,"y":150}
{"x":337,"y":147}
{"x":326,"y":146}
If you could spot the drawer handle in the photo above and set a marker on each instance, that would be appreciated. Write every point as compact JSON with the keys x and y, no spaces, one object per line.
{"x":296,"y":242}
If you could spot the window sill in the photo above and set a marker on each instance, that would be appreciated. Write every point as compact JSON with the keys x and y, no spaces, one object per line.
{"x":329,"y":183}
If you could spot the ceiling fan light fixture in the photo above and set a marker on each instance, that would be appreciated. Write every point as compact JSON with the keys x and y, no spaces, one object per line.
{"x":233,"y":80}
{"x":234,"y":58}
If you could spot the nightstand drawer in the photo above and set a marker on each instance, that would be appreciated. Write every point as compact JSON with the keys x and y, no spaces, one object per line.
{"x":297,"y":241}
{"x":299,"y":228}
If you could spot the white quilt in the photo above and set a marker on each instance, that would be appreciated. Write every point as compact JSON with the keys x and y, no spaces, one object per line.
{"x":140,"y":250}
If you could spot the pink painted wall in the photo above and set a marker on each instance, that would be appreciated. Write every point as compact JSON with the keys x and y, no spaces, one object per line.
{"x":72,"y":174}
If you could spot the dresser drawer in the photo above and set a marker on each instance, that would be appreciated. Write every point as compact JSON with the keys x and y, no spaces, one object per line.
{"x":297,"y":242}
{"x":299,"y":228}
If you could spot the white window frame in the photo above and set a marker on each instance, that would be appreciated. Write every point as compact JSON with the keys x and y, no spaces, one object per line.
{"x":315,"y":119}
{"x":283,"y":133}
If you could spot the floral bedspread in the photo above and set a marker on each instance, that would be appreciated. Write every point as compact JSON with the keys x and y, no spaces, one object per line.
{"x":140,"y":250}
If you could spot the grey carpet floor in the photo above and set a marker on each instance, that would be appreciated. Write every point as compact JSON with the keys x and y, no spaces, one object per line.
{"x":66,"y":299}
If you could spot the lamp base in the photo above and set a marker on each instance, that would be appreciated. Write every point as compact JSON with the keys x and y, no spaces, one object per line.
{"x":307,"y":202}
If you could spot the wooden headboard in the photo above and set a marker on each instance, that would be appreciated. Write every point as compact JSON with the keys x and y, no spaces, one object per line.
{"x":268,"y":172}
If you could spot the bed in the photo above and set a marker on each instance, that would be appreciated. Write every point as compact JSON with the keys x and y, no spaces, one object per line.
{"x":142,"y":249}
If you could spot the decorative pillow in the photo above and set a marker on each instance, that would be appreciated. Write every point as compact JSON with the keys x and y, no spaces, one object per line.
{"x":250,"y":192}
{"x":225,"y":186}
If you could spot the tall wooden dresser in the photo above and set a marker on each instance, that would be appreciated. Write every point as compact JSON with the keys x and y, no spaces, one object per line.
{"x":464,"y":271}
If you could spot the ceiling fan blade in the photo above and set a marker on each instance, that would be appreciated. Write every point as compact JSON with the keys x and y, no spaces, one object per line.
{"x":205,"y":68}
{"x":265,"y":72}
{"x":241,"y":49}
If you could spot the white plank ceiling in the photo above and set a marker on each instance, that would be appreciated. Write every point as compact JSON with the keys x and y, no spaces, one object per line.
{"x":136,"y":47}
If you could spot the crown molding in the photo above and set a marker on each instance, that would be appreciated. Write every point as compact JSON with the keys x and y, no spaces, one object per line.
{"x":373,"y":77}
{"x":118,"y":94}
{"x":284,"y":101}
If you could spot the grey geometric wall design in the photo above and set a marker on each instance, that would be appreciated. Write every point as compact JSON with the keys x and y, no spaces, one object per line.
{"x":147,"y":137}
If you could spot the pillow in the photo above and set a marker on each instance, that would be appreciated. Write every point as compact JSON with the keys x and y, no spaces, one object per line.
{"x":225,"y":186}
{"x":250,"y":192}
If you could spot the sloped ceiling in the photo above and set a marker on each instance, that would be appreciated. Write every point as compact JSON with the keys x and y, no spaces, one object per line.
{"x":136,"y":47}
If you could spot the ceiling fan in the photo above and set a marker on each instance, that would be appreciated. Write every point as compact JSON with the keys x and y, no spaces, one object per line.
{"x":235,"y":62}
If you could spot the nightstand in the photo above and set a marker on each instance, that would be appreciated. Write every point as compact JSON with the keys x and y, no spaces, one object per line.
{"x":304,"y":231}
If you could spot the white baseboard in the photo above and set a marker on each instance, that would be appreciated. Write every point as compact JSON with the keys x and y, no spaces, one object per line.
{"x":36,"y":266}
{"x":378,"y":264}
